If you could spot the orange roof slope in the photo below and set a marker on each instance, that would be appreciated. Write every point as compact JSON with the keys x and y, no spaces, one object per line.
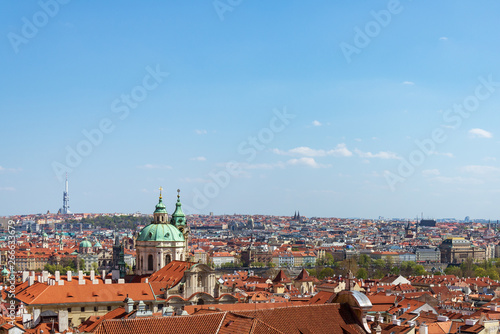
{"x":40,"y":293}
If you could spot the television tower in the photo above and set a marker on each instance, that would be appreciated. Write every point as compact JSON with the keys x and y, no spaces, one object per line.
{"x":65,"y":207}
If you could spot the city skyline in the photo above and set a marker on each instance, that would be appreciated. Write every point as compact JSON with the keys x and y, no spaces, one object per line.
{"x":384,"y":108}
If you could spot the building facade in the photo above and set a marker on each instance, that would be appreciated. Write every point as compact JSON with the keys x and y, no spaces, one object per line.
{"x":457,"y":250}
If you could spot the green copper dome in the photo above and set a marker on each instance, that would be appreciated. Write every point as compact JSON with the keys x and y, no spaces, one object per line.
{"x":85,"y":244}
{"x":160,"y":207}
{"x":5,"y":272}
{"x":45,"y":235}
{"x":98,"y":245}
{"x":160,"y":232}
{"x":178,"y":217}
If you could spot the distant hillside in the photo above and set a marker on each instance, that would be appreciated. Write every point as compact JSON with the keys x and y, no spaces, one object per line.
{"x":114,"y":222}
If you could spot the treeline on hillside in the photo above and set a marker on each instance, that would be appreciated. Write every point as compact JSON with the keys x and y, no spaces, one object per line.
{"x":468,"y":268}
{"x":114,"y":222}
{"x":365,"y":267}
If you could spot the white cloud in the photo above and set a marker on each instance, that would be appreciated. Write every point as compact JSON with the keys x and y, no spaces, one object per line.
{"x":457,"y":180}
{"x":309,"y":162}
{"x":199,"y":159}
{"x":201,"y":132}
{"x":408,"y":83}
{"x":261,"y":165}
{"x":443,"y":38}
{"x":339,"y":151}
{"x":152,"y":166}
{"x":7,"y":189}
{"x":316,"y":123}
{"x":477,"y":169}
{"x":9,"y":170}
{"x":480,"y":133}
{"x":194,"y":180}
{"x":380,"y":155}
{"x":430,"y":172}
{"x":445,"y":154}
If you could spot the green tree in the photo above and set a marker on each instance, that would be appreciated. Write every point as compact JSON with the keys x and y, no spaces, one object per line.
{"x":468,"y":267}
{"x":453,"y":270}
{"x":326,"y":272}
{"x":389,"y":261}
{"x":362,"y":273}
{"x":479,"y":272}
{"x":493,"y":273}
{"x":379,"y":273}
{"x":407,"y":268}
{"x":348,"y":265}
{"x":312,"y":272}
{"x":82,"y":264}
{"x":420,"y":270}
{"x":394,"y":270}
{"x":327,"y":260}
{"x":364,"y":261}
{"x":379,"y":263}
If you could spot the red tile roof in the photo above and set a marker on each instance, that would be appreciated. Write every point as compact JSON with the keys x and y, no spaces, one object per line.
{"x":40,"y":293}
{"x":328,"y":318}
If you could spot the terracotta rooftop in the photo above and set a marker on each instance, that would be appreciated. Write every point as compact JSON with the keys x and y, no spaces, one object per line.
{"x":40,"y":293}
{"x":328,"y":318}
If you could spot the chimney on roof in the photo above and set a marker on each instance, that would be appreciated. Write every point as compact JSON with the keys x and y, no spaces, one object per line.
{"x":424,"y":329}
{"x":45,"y":276}
{"x":103,"y":275}
{"x":92,"y":275}
{"x":141,"y":307}
{"x":69,"y":276}
{"x":168,"y":311}
{"x":57,"y":275}
{"x":31,"y":280}
{"x":63,"y":320}
{"x":80,"y":275}
{"x":25,"y":275}
{"x":129,"y":304}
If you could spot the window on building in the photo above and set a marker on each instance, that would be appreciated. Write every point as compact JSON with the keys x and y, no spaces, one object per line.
{"x":150,"y":262}
{"x":168,"y":259}
{"x":95,"y":308}
{"x":82,"y":309}
{"x":69,"y":309}
{"x":109,"y":308}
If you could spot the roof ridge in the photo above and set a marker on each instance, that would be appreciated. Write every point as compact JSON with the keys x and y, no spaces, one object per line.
{"x":221,"y":321}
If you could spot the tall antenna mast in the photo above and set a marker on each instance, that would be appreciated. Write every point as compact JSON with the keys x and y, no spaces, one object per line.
{"x":65,"y":207}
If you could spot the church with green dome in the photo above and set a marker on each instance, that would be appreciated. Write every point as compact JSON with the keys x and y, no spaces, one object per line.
{"x":163,"y":240}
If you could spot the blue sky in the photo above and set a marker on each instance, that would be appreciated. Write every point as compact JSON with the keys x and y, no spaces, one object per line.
{"x":317,"y":105}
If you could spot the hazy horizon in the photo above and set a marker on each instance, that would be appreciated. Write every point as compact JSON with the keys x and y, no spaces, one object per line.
{"x":350,"y":109}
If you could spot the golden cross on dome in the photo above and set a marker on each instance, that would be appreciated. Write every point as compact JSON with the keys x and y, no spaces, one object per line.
{"x":178,"y":193}
{"x":161,"y":188}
